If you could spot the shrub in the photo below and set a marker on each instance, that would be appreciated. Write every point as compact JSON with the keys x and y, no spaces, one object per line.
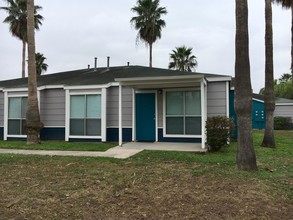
{"x":218,"y":130}
{"x":282,"y":123}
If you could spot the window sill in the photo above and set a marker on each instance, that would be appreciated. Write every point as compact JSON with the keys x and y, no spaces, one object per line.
{"x":181,"y":136}
{"x":85,"y":137}
{"x":16,"y":136}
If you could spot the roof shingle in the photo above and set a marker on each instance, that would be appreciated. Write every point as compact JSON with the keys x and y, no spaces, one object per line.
{"x":98,"y":76}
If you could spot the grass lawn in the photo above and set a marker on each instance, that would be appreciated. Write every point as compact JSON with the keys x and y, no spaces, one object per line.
{"x":58,"y":145}
{"x":150,"y":185}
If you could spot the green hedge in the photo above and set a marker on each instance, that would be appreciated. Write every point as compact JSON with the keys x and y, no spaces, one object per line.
{"x":282,"y":123}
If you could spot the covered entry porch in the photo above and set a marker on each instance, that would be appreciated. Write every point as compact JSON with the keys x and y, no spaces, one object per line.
{"x":166,"y":109}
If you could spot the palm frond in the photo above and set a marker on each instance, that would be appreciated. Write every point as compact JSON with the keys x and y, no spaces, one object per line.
{"x":182,"y":59}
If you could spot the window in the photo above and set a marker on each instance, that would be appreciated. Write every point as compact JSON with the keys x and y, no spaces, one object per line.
{"x":183,"y":113}
{"x":16,"y":115}
{"x":85,"y":115}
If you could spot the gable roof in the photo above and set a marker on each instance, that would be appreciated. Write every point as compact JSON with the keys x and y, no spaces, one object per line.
{"x":99,"y":76}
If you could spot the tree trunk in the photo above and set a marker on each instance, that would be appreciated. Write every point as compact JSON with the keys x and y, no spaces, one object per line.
{"x":151,"y":54}
{"x":292,"y":47}
{"x":33,"y":123}
{"x":23,"y":58}
{"x":269,"y":98}
{"x":245,"y":158}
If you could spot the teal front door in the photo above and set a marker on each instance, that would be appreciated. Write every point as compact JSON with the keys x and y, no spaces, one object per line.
{"x":145,"y":117}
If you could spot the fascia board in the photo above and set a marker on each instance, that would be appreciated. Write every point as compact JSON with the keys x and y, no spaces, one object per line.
{"x":161,"y":78}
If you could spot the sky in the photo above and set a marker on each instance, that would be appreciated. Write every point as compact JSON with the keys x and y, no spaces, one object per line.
{"x":76,"y":31}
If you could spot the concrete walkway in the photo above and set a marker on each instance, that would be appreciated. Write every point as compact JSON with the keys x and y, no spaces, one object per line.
{"x":115,"y":152}
{"x":127,"y":150}
{"x":165,"y":146}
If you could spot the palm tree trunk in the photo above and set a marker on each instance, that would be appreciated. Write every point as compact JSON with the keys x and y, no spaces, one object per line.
{"x":151,"y":54}
{"x":33,"y":123}
{"x":23,"y":58}
{"x":292,"y":47}
{"x":246,"y":159}
{"x":269,"y":139}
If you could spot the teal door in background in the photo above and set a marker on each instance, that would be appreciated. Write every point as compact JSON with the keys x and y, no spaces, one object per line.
{"x":145,"y":116}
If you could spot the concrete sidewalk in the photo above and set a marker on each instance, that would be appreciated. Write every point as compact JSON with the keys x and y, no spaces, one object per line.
{"x":127,"y":150}
{"x":115,"y":152}
{"x":165,"y":146}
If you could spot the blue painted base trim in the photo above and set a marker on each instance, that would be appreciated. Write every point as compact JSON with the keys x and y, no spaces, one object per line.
{"x":113,"y":134}
{"x":1,"y":133}
{"x":15,"y":139}
{"x":183,"y":140}
{"x":52,"y":134}
{"x":46,"y":134}
{"x":84,"y":140}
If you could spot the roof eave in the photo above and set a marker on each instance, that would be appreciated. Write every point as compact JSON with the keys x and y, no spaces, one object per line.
{"x":159,"y":78}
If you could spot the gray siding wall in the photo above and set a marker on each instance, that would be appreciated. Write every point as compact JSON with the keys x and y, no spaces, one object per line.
{"x":216,"y":99}
{"x":1,"y":109}
{"x":113,"y":105}
{"x":127,"y":107}
{"x":52,"y":107}
{"x":284,"y":110}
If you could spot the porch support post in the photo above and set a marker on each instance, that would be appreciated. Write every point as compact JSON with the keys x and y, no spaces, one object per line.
{"x":203,"y":113}
{"x":5,"y":116}
{"x":120,"y":115}
{"x":67,"y":114}
{"x":133,"y":116}
{"x":206,"y":105}
{"x":227,"y":99}
{"x":104,"y":114}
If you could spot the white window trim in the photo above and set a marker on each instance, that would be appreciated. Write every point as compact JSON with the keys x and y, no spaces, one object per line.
{"x":103,"y":114}
{"x":6,"y":105}
{"x":164,"y":114}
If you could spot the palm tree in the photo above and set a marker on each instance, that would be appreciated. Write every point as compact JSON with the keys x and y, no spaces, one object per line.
{"x":17,"y":20}
{"x":33,"y":122}
{"x":148,"y":22}
{"x":246,"y":159}
{"x":289,"y":4}
{"x":40,"y":63}
{"x":182,"y":59}
{"x":285,"y":77}
{"x":269,"y":96}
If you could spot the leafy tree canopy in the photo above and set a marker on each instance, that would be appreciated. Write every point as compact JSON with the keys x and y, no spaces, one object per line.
{"x":283,"y":87}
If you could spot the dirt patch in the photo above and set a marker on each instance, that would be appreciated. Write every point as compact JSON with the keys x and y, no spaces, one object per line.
{"x":72,"y":189}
